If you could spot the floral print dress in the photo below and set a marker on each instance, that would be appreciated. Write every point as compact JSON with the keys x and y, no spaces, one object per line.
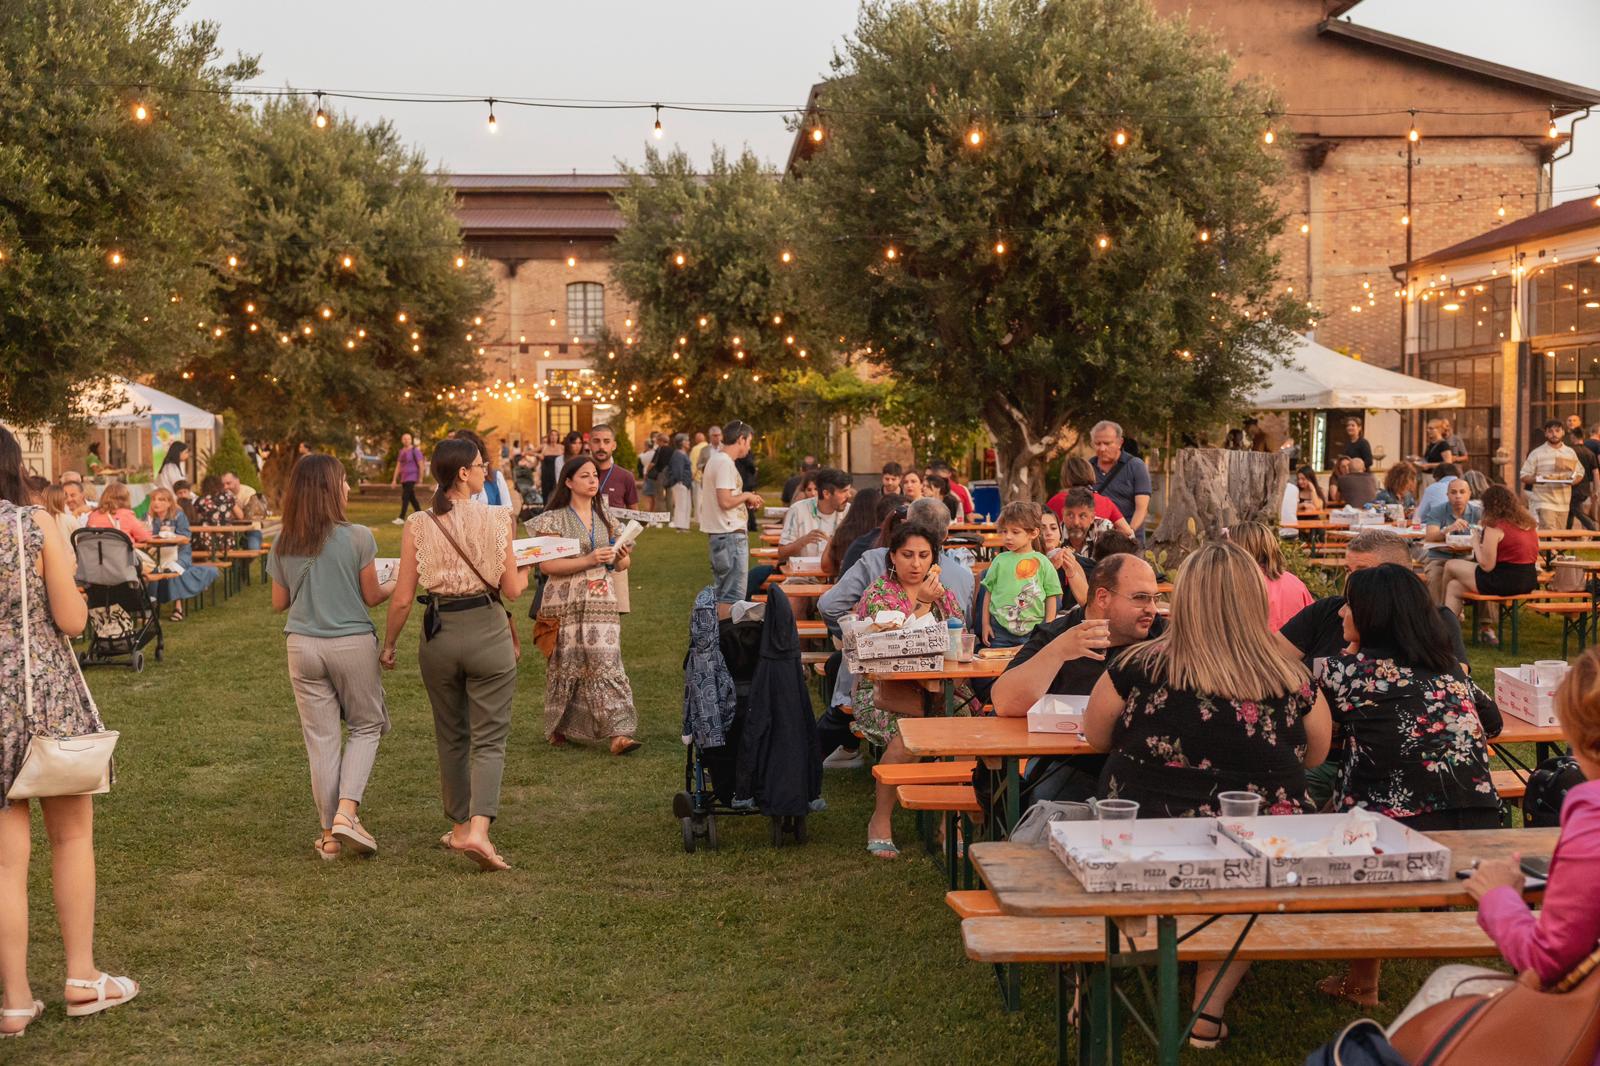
{"x":1411,"y":738}
{"x":216,"y":510}
{"x":1173,"y":750}
{"x":872,"y":723}
{"x":61,"y":705}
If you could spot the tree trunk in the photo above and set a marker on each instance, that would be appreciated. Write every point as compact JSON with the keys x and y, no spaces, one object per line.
{"x":1020,"y":451}
{"x":275,"y":471}
{"x":1212,"y":489}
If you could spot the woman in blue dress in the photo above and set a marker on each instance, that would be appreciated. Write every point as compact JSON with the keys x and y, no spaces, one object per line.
{"x":168,"y":520}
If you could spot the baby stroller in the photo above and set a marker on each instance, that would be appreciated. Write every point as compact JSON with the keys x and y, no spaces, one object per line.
{"x":748,"y":730}
{"x":122,"y":611}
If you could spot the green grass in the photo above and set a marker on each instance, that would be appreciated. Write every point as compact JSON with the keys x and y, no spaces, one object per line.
{"x":606,"y":944}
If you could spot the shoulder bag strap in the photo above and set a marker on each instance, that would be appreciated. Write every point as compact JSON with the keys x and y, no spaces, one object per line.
{"x":27,"y":651}
{"x":492,"y":589}
{"x":1106,"y":476}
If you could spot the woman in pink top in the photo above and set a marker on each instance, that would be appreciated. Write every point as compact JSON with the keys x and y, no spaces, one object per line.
{"x":1286,"y":593}
{"x":1567,"y":928}
{"x":115,"y":512}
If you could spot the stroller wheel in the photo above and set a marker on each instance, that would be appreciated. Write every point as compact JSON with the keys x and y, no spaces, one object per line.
{"x":158,"y":652}
{"x":682,"y":805}
{"x":688,"y":835}
{"x":711,"y":831}
{"x":137,"y":661}
{"x":777,"y":832}
{"x":800,"y":834}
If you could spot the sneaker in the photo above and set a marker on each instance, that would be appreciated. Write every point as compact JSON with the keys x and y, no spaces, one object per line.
{"x":398,"y":522}
{"x":1488,"y":636}
{"x":844,"y":759}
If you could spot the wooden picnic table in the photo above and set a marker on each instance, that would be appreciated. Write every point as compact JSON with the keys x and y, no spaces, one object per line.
{"x":763,"y":553}
{"x":1545,"y":738}
{"x":949,"y":673}
{"x":811,"y":629}
{"x":1030,"y":881}
{"x":1006,"y":740}
{"x":799,"y":590}
{"x":972,"y":527}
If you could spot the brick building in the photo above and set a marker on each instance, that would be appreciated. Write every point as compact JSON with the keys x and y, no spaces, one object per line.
{"x":1353,"y":174}
{"x":547,"y":239}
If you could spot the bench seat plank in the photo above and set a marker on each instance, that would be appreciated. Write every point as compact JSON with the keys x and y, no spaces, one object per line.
{"x":924,"y":773}
{"x":958,"y":798}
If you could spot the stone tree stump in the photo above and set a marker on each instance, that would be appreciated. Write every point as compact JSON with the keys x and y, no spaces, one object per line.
{"x":1213,"y":489}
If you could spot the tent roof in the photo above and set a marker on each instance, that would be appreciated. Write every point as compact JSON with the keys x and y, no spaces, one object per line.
{"x":1319,"y":377}
{"x":130,"y":403}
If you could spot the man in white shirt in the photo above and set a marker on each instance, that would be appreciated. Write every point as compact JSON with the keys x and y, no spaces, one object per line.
{"x":809,"y":525}
{"x":1548,"y":473}
{"x":724,"y":514}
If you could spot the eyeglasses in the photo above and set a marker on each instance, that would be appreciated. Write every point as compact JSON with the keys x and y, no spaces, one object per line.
{"x":1139,"y":599}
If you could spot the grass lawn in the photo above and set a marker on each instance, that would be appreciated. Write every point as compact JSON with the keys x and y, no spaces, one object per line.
{"x":606,"y":944}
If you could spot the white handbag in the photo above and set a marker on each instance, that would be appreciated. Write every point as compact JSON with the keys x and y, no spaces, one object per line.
{"x":57,"y":766}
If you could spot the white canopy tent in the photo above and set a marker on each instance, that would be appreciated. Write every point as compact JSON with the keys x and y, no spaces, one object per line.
{"x":1319,"y":377}
{"x":130,"y":403}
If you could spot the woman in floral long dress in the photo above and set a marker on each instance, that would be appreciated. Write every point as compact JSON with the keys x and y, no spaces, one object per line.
{"x":587,"y":696}
{"x":215,"y":508}
{"x":1213,"y":704}
{"x":42,"y":693}
{"x":910,"y":586}
{"x":1415,"y":746}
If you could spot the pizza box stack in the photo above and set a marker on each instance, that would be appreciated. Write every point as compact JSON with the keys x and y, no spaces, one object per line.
{"x":1166,"y":854}
{"x":889,"y":643}
{"x":1354,"y":848}
{"x":1523,"y":698}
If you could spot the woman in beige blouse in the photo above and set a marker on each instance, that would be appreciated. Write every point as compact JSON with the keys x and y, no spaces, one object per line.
{"x":460,"y":552}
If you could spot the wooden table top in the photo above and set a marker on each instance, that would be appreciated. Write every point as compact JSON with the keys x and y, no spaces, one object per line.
{"x":771,"y":538}
{"x":1517,"y":731}
{"x":166,"y":542}
{"x":1407,"y":531}
{"x":763,"y":553}
{"x":811,"y":628}
{"x":971,"y":527}
{"x":796,"y":590}
{"x":1569,"y":534}
{"x":1028,"y":880}
{"x":1309,"y":526}
{"x":987,"y":736}
{"x":222,"y":529}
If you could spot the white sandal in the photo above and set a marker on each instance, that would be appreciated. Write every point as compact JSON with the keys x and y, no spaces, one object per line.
{"x":31,"y":1013}
{"x":127,"y":985}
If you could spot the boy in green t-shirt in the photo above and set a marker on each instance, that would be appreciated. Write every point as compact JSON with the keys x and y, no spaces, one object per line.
{"x":1021,"y":586}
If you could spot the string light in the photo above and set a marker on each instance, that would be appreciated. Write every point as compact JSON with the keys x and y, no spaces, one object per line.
{"x":326,"y":312}
{"x":1305,"y":228}
{"x":1103,"y":243}
{"x":777,"y":320}
{"x":974,"y":137}
{"x":658,"y":131}
{"x":552,"y":319}
{"x":703,"y":321}
{"x":786,"y":256}
{"x":679,"y":259}
{"x":114,"y":257}
{"x":141,"y":113}
{"x":1268,"y":137}
{"x":816,"y":135}
{"x":320,"y":119}
{"x":999,"y":247}
{"x":401,"y":317}
{"x":1554,"y":131}
{"x":461,"y":261}
{"x":1205,"y":236}
{"x":233,"y":261}
{"x":572,"y":261}
{"x":890,"y":253}
{"x":1405,"y":220}
{"x":1501,"y":211}
{"x":1119,"y":138}
{"x":494,"y":126}
{"x":1413,"y":136}
{"x":347,"y":261}
{"x":738,"y":341}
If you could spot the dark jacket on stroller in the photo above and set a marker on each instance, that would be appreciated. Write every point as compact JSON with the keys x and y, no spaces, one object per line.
{"x":779,"y":763}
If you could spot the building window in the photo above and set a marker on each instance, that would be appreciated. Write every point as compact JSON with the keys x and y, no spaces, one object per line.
{"x":1566,"y":300}
{"x":1468,"y":316}
{"x":586,"y":309}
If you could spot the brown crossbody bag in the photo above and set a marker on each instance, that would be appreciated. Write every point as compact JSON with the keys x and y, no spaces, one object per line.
{"x":492,"y":589}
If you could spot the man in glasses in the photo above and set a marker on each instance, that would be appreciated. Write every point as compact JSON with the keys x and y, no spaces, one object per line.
{"x":1066,"y":657}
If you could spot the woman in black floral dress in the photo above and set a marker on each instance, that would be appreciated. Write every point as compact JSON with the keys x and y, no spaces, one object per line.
{"x":1415,"y":747}
{"x":215,"y":508}
{"x":1213,"y":704}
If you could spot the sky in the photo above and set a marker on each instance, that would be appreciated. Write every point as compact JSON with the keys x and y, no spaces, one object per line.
{"x":715,"y":51}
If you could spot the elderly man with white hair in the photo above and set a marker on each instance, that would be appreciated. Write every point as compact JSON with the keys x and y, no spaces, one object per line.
{"x":1119,"y":476}
{"x":842,"y":599}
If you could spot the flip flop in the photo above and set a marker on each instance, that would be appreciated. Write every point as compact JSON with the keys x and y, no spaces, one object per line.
{"x":628,"y":747}
{"x":882,"y":849}
{"x":353,"y":833}
{"x":487,"y":861}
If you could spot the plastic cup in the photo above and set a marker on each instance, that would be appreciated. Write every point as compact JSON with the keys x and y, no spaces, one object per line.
{"x":969,"y":647}
{"x":1239,"y":804}
{"x":1116,"y":822}
{"x":1549,"y":672}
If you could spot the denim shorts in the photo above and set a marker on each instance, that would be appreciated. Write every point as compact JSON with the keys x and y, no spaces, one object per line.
{"x":730,"y":565}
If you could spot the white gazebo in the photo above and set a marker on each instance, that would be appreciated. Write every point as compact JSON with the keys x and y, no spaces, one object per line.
{"x":1318,"y":377}
{"x":120,"y":416}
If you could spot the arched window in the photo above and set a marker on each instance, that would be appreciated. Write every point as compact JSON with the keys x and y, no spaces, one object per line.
{"x":586,"y":309}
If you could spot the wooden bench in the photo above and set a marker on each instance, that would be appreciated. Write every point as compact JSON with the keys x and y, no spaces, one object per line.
{"x":949,"y":799}
{"x":1275,"y":937}
{"x":973,"y":903}
{"x":1513,"y":606}
{"x":956,"y":804}
{"x":925,"y":773}
{"x":248,"y":556}
{"x":1575,"y":619}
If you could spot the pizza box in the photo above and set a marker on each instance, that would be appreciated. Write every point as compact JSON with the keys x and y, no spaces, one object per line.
{"x":1057,"y":714}
{"x":909,"y":664}
{"x":644,"y":518}
{"x":920,"y":637}
{"x":1527,"y":700}
{"x":531,"y":550}
{"x":1305,"y":849}
{"x":1166,"y":854}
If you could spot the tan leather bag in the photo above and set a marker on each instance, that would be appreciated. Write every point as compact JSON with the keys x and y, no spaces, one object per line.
{"x":1558,"y":1027}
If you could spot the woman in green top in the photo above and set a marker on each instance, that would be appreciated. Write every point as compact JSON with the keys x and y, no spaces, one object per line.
{"x":324,"y":574}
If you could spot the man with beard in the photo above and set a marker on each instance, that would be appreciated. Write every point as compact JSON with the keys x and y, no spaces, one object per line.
{"x":616,"y":484}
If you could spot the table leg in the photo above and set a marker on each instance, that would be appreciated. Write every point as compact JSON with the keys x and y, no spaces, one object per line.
{"x":949,"y":697}
{"x":1013,"y":798}
{"x":1169,"y":1023}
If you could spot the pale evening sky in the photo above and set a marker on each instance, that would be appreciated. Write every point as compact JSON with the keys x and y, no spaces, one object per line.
{"x":718,"y":51}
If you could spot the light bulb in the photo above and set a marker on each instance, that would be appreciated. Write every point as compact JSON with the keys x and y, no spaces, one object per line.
{"x":738,"y":341}
{"x":494,"y":126}
{"x":1103,"y":243}
{"x":702,"y":321}
{"x":250,"y":309}
{"x":141,"y":113}
{"x":1553,"y":132}
{"x":889,"y":252}
{"x":552,"y":319}
{"x":327,"y":312}
{"x":1205,"y":235}
{"x":572,"y":260}
{"x":1119,"y":138}
{"x":1413,"y":136}
{"x":1268,"y":137}
{"x":477,"y":320}
{"x":233,"y":261}
{"x":461,"y":261}
{"x":787,"y":257}
{"x":1405,"y":220}
{"x":999,"y":247}
{"x":348,"y":262}
{"x":975,"y":137}
{"x":401,"y":317}
{"x":1305,"y":227}
{"x":320,"y":119}
{"x":816,"y":134}
{"x":114,"y":257}
{"x":679,"y":260}
{"x":658,"y":122}
{"x":777,"y":320}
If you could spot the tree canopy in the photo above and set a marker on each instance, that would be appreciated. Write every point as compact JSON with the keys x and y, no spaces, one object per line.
{"x":974,"y":219}
{"x":113,"y":219}
{"x":348,"y":311}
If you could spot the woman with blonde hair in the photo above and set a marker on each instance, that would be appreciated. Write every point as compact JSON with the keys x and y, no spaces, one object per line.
{"x":115,"y":511}
{"x":54,"y":499}
{"x":1213,"y":704}
{"x":168,"y":520}
{"x":1287,"y":595}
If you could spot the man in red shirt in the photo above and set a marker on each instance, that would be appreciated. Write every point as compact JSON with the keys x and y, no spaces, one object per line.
{"x":616,"y":484}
